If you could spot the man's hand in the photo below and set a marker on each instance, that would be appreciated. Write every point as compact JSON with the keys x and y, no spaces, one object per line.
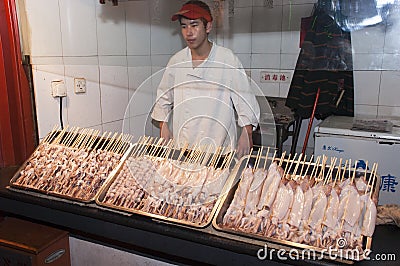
{"x":245,"y":142}
{"x":165,"y":133}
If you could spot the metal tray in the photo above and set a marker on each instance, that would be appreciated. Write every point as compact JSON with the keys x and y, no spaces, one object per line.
{"x":100,"y":201}
{"x":39,"y":192}
{"x":289,"y":246}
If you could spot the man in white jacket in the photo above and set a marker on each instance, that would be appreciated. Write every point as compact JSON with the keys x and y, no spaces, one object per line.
{"x":203,"y":86}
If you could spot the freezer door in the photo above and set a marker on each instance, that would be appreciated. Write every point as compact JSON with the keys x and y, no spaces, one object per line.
{"x":384,"y":152}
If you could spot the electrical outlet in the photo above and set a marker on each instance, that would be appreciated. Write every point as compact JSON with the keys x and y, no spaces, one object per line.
{"x":79,"y":85}
{"x":58,"y":88}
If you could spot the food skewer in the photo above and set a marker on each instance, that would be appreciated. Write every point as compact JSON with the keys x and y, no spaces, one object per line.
{"x":68,"y":137}
{"x":373,"y":180}
{"x":300,"y":175}
{"x":344,"y":171}
{"x":287,"y":164}
{"x":266,"y":158}
{"x":294,"y":173}
{"x":315,"y":167}
{"x":308,"y":166}
{"x":104,"y":141}
{"x":338,"y":172}
{"x":258,"y":157}
{"x":287,"y":175}
{"x":49,"y":136}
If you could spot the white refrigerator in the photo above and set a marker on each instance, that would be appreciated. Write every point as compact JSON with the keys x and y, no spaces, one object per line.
{"x":364,"y":139}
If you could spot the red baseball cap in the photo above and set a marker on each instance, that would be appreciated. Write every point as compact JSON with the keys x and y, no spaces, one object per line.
{"x":192,"y":11}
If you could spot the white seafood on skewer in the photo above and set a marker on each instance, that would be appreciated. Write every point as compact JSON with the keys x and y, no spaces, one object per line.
{"x":331,"y":219}
{"x":270,"y":186}
{"x":297,"y":207}
{"x":234,"y":213}
{"x":317,"y":212}
{"x":284,"y":231}
{"x":369,"y":219}
{"x":184,"y":190}
{"x":255,"y":190}
{"x":283,"y":200}
{"x":303,"y":228}
{"x":213,"y":189}
{"x":251,"y":222}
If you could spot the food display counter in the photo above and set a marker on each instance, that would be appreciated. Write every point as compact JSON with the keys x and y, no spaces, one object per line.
{"x":159,"y":239}
{"x":197,"y":221}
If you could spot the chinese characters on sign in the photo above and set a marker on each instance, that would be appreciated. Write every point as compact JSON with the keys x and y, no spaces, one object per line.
{"x":266,"y":76}
{"x":332,"y":148}
{"x":388,"y":183}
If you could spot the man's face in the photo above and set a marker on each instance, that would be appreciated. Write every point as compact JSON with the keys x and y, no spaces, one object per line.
{"x":194,"y":32}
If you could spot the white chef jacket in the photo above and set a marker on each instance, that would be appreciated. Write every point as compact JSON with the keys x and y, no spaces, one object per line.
{"x":202,"y":101}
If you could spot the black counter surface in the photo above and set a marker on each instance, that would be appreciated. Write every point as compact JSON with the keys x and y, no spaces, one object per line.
{"x":166,"y":241}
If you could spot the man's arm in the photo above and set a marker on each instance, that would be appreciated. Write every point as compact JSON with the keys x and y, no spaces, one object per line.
{"x":165,"y":133}
{"x":245,"y":142}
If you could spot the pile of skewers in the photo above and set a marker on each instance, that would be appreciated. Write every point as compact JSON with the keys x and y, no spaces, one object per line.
{"x":316,"y":204}
{"x":153,"y":181}
{"x":72,"y":164}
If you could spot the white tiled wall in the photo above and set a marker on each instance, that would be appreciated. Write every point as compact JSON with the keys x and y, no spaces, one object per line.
{"x":116,"y":48}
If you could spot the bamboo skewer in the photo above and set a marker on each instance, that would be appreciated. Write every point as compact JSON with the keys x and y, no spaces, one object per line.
{"x":258,"y":157}
{"x":111,"y":142}
{"x":86,"y":138}
{"x":373,"y":180}
{"x":51,"y":134}
{"x":214,"y":158}
{"x":315,"y":167}
{"x":273,"y":157}
{"x":344,"y":171}
{"x":266,"y":159}
{"x":138,"y":146}
{"x":185,"y":146}
{"x":226,"y":157}
{"x":219,"y":157}
{"x":338,"y":172}
{"x":366,"y":169}
{"x":302,"y":165}
{"x":104,"y":141}
{"x":297,"y":166}
{"x":354,"y":172}
{"x":281,"y":159}
{"x":287,"y":164}
{"x":290,"y":167}
{"x":120,"y":143}
{"x":248,"y":159}
{"x":232,"y":156}
{"x":69,"y":136}
{"x":141,"y":146}
{"x":309,"y":163}
{"x":60,"y":135}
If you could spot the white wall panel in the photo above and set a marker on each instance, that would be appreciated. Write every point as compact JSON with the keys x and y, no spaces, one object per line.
{"x":47,"y":107}
{"x":78,"y":27}
{"x":83,"y":109}
{"x":114,"y":92}
{"x":44,"y":27}
{"x":138,"y":27}
{"x":111,"y":29}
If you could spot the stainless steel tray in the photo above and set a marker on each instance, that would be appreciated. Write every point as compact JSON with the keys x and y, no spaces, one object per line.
{"x":343,"y":256}
{"x":95,"y":191}
{"x":141,"y":198}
